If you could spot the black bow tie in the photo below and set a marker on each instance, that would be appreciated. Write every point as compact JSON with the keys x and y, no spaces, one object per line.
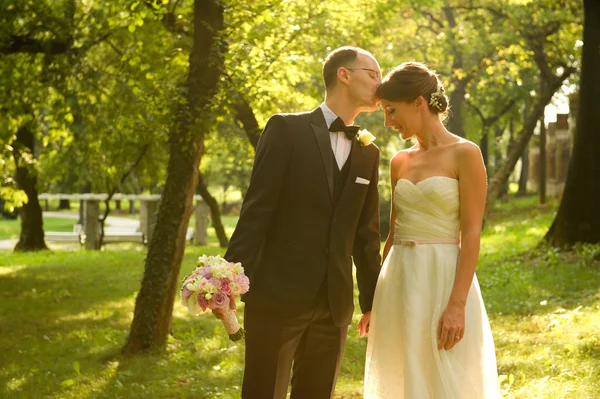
{"x":338,"y":125}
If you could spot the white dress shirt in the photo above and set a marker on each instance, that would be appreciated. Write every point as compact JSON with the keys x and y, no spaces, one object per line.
{"x":340,"y":144}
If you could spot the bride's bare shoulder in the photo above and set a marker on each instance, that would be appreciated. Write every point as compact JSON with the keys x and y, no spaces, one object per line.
{"x":402,"y":154}
{"x":466,"y":147}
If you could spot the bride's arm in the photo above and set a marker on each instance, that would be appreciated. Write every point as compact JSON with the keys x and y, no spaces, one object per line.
{"x":472,"y":180}
{"x":472,"y":188}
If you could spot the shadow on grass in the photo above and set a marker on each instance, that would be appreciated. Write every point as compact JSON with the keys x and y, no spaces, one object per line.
{"x":82,"y":359}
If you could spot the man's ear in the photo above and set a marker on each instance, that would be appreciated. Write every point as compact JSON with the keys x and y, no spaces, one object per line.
{"x":342,"y":74}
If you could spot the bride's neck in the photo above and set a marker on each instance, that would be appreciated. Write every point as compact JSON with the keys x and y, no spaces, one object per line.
{"x":433,"y":135}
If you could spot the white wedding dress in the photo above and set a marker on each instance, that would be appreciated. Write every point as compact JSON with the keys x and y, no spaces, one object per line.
{"x":412,"y":293}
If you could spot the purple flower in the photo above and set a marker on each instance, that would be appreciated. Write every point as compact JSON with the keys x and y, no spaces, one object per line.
{"x":204,"y":271}
{"x":185,"y":293}
{"x":219,"y":301}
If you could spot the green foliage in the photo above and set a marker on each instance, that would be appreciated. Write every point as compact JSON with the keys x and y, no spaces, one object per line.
{"x":111,"y":98}
{"x":228,"y":159}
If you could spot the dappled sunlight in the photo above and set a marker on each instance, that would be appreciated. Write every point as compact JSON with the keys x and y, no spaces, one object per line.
{"x":559,"y":341}
{"x":8,"y":271}
{"x":122,"y":309}
{"x":538,"y":231}
{"x":16,"y":384}
{"x":86,"y":385}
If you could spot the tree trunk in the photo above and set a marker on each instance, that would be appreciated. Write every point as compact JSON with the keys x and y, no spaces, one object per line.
{"x":524,"y":173}
{"x":500,"y":178}
{"x":64,"y":204}
{"x":578,"y":219}
{"x":32,"y":223}
{"x":543,"y":162}
{"x":215,"y":212}
{"x":154,"y":303}
{"x":497,"y":148}
{"x":86,"y":188}
{"x":245,"y":115}
{"x":457,"y":97}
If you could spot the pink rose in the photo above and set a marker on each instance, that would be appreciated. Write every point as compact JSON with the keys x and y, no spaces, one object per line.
{"x":202,"y":302}
{"x":225,"y":286}
{"x":243,"y":281}
{"x":219,"y":301}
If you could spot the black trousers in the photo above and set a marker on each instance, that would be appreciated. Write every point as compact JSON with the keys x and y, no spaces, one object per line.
{"x":311,"y":342}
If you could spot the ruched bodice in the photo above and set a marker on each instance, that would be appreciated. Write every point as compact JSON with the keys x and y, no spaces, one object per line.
{"x":428,"y":209}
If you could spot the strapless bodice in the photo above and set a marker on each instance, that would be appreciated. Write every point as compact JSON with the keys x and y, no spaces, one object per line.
{"x":427,"y":210}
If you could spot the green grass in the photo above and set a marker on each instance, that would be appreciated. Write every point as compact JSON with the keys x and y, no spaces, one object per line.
{"x":11,"y":228}
{"x":65,"y":315}
{"x":544,"y":305}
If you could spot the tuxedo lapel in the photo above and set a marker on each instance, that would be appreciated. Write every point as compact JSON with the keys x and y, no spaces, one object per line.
{"x":319,"y":127}
{"x":357,"y":160}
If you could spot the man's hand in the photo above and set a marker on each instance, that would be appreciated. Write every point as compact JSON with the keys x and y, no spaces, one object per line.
{"x":220,"y":313}
{"x":363,"y":324}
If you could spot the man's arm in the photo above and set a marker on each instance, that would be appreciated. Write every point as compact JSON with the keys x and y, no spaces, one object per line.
{"x":367,"y":244}
{"x":270,"y":164}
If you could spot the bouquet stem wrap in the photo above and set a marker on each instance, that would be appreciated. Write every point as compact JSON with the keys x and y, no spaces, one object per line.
{"x":214,"y":284}
{"x":232,"y":326}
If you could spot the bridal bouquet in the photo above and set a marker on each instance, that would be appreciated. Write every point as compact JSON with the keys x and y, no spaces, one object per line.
{"x":213,"y":284}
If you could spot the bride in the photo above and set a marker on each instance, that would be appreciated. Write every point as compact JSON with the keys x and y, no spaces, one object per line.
{"x":428,"y":332}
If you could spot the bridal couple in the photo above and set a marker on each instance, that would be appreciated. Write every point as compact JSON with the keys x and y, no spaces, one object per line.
{"x":312,"y":208}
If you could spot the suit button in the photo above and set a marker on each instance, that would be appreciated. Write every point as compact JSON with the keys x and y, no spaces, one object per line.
{"x":326,"y":251}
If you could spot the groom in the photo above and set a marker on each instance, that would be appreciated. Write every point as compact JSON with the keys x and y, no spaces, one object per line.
{"x":311,"y":207}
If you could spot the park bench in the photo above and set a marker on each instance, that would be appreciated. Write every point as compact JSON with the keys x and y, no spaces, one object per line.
{"x":123,"y":235}
{"x":111,"y":235}
{"x":63,"y":236}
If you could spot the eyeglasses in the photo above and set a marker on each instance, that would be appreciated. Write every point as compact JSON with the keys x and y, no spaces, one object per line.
{"x":377,"y":73}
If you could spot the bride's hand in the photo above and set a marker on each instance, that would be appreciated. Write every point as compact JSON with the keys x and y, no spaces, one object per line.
{"x":451,"y":328}
{"x":363,"y":324}
{"x":220,"y":313}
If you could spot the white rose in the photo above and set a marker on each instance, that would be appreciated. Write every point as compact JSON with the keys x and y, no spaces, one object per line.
{"x":365,"y":137}
{"x":192,"y":305}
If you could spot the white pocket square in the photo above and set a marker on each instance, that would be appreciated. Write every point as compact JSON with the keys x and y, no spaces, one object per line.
{"x":360,"y":180}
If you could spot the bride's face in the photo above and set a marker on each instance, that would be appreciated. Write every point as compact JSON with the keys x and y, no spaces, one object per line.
{"x":402,"y":116}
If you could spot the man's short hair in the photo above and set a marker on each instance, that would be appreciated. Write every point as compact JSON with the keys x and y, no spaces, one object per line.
{"x":343,"y":56}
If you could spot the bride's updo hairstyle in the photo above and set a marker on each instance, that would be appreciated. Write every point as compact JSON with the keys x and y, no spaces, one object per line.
{"x":413,"y":79}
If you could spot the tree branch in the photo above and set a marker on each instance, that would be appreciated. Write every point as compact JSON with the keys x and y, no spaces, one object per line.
{"x":28,"y":45}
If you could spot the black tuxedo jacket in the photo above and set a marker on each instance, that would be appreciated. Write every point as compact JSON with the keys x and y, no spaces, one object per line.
{"x":290,"y":238}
